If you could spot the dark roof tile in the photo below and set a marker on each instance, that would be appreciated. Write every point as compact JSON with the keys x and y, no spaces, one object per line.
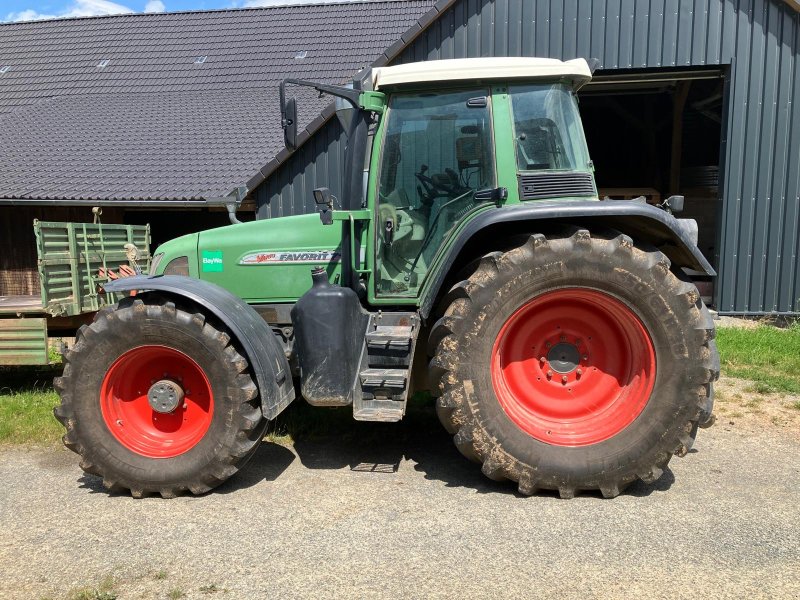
{"x":152,"y":123}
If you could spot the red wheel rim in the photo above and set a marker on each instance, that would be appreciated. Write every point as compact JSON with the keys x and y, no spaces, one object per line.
{"x":573,"y":367}
{"x":131,"y":418}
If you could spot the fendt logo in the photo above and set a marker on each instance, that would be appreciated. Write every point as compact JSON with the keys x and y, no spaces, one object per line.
{"x":291,"y":258}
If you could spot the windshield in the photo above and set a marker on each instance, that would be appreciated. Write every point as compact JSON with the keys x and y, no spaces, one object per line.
{"x":548,"y":134}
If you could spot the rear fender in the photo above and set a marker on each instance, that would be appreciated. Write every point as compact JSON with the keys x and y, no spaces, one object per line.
{"x":254,"y":335}
{"x":641,"y":221}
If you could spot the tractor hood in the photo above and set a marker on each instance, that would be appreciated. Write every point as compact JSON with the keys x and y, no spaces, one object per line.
{"x":261,"y":261}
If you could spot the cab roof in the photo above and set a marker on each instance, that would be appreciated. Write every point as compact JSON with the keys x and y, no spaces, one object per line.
{"x":471,"y":69}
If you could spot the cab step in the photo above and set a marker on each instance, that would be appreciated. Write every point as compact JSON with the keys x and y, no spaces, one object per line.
{"x":384,"y":378}
{"x":386,"y":361}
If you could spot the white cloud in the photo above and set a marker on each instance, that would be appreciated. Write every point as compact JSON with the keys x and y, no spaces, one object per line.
{"x":77,"y":8}
{"x":154,"y":6}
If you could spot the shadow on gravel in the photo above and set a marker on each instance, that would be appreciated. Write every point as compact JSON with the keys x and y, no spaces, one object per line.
{"x":419,"y":438}
{"x":380,"y":447}
{"x":269,"y":462}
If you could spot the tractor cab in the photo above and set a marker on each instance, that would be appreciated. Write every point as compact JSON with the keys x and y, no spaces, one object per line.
{"x":444,"y":140}
{"x":448,"y":146}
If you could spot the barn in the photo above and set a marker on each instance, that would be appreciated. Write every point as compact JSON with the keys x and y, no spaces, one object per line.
{"x":167,"y":117}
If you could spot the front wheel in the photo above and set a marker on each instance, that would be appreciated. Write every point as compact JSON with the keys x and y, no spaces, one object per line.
{"x":574,"y":363}
{"x":156,"y":399}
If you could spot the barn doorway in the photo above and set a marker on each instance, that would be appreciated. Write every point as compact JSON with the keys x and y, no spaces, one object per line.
{"x":659,"y":133}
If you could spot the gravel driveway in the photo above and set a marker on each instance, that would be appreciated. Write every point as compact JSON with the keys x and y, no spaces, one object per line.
{"x":409,"y":517}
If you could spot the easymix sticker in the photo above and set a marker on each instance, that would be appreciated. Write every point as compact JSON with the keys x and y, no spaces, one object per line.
{"x":291,"y":258}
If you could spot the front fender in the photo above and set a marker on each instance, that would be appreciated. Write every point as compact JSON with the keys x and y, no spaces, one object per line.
{"x":641,"y":221}
{"x":256,"y":338}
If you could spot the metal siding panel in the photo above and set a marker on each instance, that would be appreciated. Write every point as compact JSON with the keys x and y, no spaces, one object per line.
{"x":542,"y":28}
{"x":670,"y":40}
{"x":514,"y":28}
{"x":686,"y":27}
{"x":697,"y":55}
{"x":753,"y":140}
{"x":487,"y":30}
{"x":528,"y":28}
{"x":769,"y":224}
{"x":730,"y":29}
{"x":627,"y":34}
{"x":585,"y":31}
{"x":656,"y":33}
{"x":713,"y":28}
{"x":569,"y":30}
{"x":641,"y":37}
{"x":790,"y":273}
{"x":726,"y":280}
{"x":500,"y":28}
{"x":556,"y":18}
{"x":474,"y":29}
{"x":598,"y":31}
{"x":611,"y":42}
{"x":459,"y":29}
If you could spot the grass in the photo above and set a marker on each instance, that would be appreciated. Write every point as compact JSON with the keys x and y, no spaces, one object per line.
{"x":103,"y":591}
{"x":767,"y":356}
{"x":27,"y":399}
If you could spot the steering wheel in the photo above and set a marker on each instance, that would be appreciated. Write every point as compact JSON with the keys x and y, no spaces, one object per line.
{"x":432,"y":189}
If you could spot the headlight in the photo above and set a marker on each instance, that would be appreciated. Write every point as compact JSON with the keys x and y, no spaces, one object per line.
{"x":155,"y":262}
{"x":178,"y":266}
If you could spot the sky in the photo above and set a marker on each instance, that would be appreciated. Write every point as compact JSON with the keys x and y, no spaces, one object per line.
{"x":28,"y":10}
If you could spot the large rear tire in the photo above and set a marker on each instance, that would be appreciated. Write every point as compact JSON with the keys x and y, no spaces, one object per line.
{"x":156,"y":399}
{"x":574,"y":363}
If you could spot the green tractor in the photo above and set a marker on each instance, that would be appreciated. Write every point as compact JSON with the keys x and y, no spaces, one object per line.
{"x":468,"y":255}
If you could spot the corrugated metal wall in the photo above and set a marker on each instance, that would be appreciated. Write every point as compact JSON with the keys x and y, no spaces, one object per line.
{"x":318,"y":163}
{"x":760,"y":39}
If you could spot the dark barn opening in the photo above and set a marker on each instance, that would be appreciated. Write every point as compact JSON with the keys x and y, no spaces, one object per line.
{"x":659,"y":133}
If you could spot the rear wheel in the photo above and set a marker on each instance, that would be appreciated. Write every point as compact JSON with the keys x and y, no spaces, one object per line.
{"x":155,"y":399}
{"x":574,"y":363}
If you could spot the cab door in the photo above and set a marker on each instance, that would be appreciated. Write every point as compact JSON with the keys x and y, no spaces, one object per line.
{"x":437,"y":153}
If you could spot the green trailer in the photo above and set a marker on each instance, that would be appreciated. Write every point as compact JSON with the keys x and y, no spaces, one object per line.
{"x":71,"y":258}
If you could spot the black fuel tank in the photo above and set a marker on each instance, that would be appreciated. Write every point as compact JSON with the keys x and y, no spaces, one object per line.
{"x":329,"y":329}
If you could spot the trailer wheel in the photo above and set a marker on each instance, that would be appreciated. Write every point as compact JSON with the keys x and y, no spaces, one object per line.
{"x":156,"y":399}
{"x":574,"y":363}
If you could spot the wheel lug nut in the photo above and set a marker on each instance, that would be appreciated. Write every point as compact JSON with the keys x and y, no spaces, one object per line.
{"x":578,"y":342}
{"x":547,"y":344}
{"x":585,"y":357}
{"x":564,"y":379}
{"x":579,"y":372}
{"x":563,"y":338}
{"x":542,"y":359}
{"x":549,"y":374}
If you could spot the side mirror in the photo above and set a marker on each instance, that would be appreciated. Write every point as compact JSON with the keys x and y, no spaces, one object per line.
{"x":674,"y":204}
{"x":324,"y":201}
{"x":289,"y":124}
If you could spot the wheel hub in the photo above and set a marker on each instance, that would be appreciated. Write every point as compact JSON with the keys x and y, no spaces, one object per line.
{"x":165,"y":396}
{"x":157,"y":401}
{"x":564,"y":357}
{"x":573,"y":367}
